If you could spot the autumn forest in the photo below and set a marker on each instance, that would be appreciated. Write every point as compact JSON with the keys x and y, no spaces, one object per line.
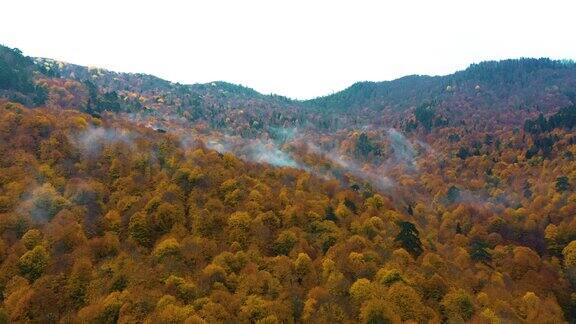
{"x":126,"y":198}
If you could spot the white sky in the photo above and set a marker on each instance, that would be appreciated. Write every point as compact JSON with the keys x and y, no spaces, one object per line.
{"x":296,"y":48}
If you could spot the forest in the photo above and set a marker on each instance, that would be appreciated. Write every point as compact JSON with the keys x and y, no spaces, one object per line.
{"x":125,"y":198}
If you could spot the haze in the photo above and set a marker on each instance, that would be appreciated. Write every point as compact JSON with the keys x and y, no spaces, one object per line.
{"x":300,"y":49}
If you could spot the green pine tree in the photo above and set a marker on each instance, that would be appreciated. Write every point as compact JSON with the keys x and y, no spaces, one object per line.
{"x":409,"y":238}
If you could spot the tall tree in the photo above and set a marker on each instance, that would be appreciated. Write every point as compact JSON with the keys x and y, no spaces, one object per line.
{"x":479,"y":251}
{"x":409,"y":238}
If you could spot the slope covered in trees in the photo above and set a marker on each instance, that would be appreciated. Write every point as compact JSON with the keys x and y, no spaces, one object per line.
{"x":127,"y":198}
{"x":105,"y":221}
{"x":17,"y":74}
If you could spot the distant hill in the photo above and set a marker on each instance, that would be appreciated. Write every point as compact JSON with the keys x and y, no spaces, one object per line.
{"x":542,"y":84}
{"x":494,"y":82}
{"x":519,"y":83}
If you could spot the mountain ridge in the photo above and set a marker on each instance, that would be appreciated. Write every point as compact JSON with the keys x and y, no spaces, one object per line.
{"x":543,"y":84}
{"x":489,"y":66}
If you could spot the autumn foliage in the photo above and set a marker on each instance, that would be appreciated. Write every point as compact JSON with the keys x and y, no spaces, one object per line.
{"x":121,"y":201}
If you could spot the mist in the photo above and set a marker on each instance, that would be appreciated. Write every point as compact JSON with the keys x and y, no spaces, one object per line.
{"x":92,"y":140}
{"x":378,"y":179}
{"x":403,"y":151}
{"x":254,"y":150}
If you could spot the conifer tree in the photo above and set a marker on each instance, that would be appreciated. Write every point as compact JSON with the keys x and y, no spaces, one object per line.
{"x":409,"y":238}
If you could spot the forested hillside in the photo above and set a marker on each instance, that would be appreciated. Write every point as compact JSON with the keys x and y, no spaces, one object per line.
{"x":127,"y":198}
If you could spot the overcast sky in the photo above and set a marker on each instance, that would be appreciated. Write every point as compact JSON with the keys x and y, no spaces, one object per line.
{"x":301,"y":49}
